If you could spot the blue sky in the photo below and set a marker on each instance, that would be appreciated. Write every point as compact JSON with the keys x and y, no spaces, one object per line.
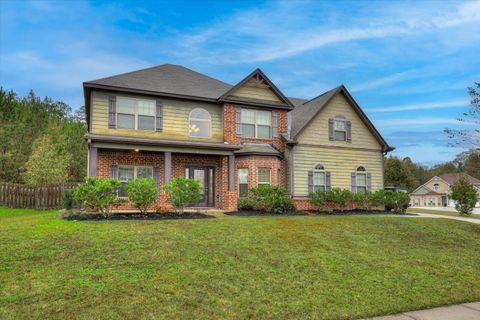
{"x":407,"y":64}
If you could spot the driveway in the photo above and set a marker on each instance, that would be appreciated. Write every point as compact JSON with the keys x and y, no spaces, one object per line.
{"x":448,"y":209}
{"x":436,"y":216}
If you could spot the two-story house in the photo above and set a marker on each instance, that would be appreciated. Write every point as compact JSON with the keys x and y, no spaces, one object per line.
{"x":170,"y":121}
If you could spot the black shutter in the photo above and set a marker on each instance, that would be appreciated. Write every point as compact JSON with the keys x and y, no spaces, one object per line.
{"x":349,"y":131}
{"x":331,"y":136}
{"x":354,"y":182}
{"x":159,"y":116}
{"x":328,"y":181}
{"x":274,"y":124}
{"x":238,"y":121}
{"x":114,"y":171}
{"x":310,"y":181}
{"x":112,"y":112}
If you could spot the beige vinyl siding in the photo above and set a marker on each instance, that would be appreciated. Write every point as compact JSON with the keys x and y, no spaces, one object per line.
{"x":317,"y":131}
{"x":443,"y":186}
{"x":175,"y":119}
{"x":250,"y":91}
{"x":339,"y":162}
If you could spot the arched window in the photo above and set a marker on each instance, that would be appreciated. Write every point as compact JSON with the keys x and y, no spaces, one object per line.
{"x":319,"y":178}
{"x":200,"y":123}
{"x":436,"y":186}
{"x":361,"y":179}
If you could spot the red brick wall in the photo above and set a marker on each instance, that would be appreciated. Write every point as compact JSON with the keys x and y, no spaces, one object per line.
{"x":276,"y":164}
{"x":230,"y":128}
{"x":223,"y":198}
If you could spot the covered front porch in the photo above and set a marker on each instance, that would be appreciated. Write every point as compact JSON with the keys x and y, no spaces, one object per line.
{"x":213,"y":165}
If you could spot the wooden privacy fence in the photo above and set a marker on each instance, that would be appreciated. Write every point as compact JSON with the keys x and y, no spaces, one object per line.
{"x":45,"y":197}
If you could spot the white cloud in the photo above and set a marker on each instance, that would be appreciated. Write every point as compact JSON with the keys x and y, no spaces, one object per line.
{"x":380,"y":82}
{"x":415,"y":122}
{"x":460,"y":103}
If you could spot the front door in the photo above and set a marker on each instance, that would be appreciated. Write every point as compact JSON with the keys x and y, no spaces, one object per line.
{"x":205,"y":176}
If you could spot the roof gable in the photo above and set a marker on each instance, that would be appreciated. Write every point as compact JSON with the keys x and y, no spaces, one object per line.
{"x":423,"y":190}
{"x":257,"y":89}
{"x":451,"y":178}
{"x":304,"y":114}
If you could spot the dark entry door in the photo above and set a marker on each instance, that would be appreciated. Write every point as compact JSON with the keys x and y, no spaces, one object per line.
{"x":205,"y":176}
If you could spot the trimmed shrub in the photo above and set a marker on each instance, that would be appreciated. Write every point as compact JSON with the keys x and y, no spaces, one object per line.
{"x":465,"y":196}
{"x":271,"y":199}
{"x":395,"y":201}
{"x":67,"y":199}
{"x":142,"y":193}
{"x":362,"y":200}
{"x":246,"y":204}
{"x":339,"y":197}
{"x":319,"y":199}
{"x":99,"y":195}
{"x":182,"y":191}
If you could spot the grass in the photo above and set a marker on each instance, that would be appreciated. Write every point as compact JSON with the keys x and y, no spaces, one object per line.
{"x":319,"y":267}
{"x":443,"y":213}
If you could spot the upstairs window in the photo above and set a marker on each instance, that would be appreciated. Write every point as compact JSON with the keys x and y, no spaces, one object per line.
{"x":264,"y":175}
{"x":135,"y":114}
{"x":361,"y":182}
{"x":256,"y":124}
{"x":436,"y":186}
{"x":340,"y":130}
{"x":319,"y":181}
{"x":200,"y":123}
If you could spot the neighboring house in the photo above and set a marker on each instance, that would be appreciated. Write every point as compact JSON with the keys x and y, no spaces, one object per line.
{"x":170,"y":121}
{"x":436,"y":191}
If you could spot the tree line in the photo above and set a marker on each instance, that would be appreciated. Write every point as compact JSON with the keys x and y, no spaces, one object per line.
{"x":42,"y":140}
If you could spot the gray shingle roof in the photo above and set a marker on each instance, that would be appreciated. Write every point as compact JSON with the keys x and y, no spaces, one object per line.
{"x":168,"y":78}
{"x":303,"y":113}
{"x":257,"y":148}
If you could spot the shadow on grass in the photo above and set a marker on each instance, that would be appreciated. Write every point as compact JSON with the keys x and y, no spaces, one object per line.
{"x":134,"y":216}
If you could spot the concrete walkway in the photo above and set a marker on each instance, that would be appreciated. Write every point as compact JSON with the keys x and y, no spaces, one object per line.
{"x":430,"y":215}
{"x":447,"y":209}
{"x":466,"y":311}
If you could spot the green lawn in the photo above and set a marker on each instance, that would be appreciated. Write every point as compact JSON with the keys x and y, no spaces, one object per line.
{"x":443,"y":213}
{"x":319,"y":267}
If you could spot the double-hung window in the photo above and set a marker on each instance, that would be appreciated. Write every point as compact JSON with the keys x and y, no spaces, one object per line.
{"x":319,"y":181}
{"x":361,"y":180}
{"x":127,"y":173}
{"x":256,"y":124}
{"x":242,"y":182}
{"x":136,"y":114}
{"x":340,"y":130}
{"x":264,"y":176}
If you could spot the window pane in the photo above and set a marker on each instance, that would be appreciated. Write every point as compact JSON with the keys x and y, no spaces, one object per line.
{"x":144,"y":172}
{"x":125,"y":173}
{"x":339,"y":125}
{"x":146,"y":107}
{"x":122,"y":190}
{"x":322,"y":188}
{"x":125,"y":121}
{"x":248,"y":116}
{"x":263,"y":132}
{"x":146,"y":123}
{"x":125,"y":105}
{"x":243,"y":190}
{"x":319,"y":178}
{"x":340,"y":135}
{"x":361,"y":189}
{"x":361,"y":179}
{"x":200,"y":129}
{"x":200,"y":114}
{"x":263,"y":176}
{"x":263,"y":117}
{"x":248,"y":130}
{"x":242,"y":175}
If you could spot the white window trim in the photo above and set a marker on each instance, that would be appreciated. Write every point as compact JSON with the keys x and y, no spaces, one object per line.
{"x":356,"y":180}
{"x":201,"y":120}
{"x":238,"y":179}
{"x":334,"y":130}
{"x":255,"y":124}
{"x":270,"y":176}
{"x":324,"y":177}
{"x":135,"y":172}
{"x":135,"y":113}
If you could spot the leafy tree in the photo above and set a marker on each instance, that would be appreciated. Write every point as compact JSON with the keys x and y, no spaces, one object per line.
{"x":49,"y":162}
{"x":469,"y":137}
{"x":182,"y":191}
{"x":397,"y":174}
{"x":142,"y":193}
{"x":465,"y":196}
{"x":469,"y":162}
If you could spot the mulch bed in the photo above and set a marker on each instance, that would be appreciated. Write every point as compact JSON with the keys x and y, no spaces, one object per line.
{"x":133,"y":216}
{"x":309,"y":213}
